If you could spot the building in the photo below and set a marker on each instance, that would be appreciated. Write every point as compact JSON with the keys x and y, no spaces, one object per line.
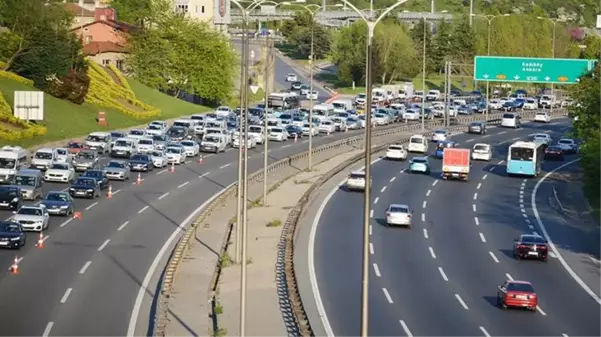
{"x":216,"y":13}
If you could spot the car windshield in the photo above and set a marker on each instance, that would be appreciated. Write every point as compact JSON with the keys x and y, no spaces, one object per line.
{"x":57,"y":197}
{"x":540,"y":136}
{"x":75,"y":145}
{"x":9,"y":228}
{"x":43,"y":155}
{"x":122,"y":143}
{"x":276,"y":130}
{"x":521,"y":287}
{"x":61,"y":152}
{"x":477,"y":125}
{"x":554,"y":148}
{"x":174,"y":150}
{"x":520,"y":153}
{"x":397,"y":209}
{"x":395,"y":147}
{"x":509,"y":116}
{"x":116,"y":164}
{"x":85,"y":155}
{"x":158,"y":138}
{"x":92,"y":174}
{"x":379,"y":115}
{"x":285,"y":116}
{"x":25,"y":181}
{"x":480,"y":148}
{"x":85,"y":182}
{"x":416,"y":140}
{"x":440,"y":132}
{"x":187,"y":143}
{"x":145,"y":142}
{"x":156,"y":153}
{"x":176,"y":131}
{"x":541,"y":113}
{"x":357,"y":176}
{"x":117,"y":134}
{"x":93,"y":138}
{"x":565,"y":141}
{"x":136,"y":133}
{"x":30,"y":211}
{"x":254,"y":129}
{"x":11,"y":192}
{"x":139,"y":157}
{"x":419,"y":160}
{"x":153,"y":127}
{"x":7,"y":163}
{"x":532,"y":239}
{"x":57,"y":166}
{"x":211,"y":139}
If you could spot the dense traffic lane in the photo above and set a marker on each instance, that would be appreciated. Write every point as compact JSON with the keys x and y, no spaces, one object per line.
{"x":282,"y":69}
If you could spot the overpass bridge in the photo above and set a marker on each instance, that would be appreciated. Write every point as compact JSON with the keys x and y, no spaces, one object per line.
{"x":333,"y":18}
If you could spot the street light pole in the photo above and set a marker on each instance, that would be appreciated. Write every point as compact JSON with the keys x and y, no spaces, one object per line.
{"x":424,"y":78}
{"x":371,"y":25}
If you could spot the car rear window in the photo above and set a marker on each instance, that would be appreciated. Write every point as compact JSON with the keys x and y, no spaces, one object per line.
{"x":523,"y":287}
{"x":481,"y":147}
{"x":357,"y":176}
{"x":508,"y":116}
{"x":532,"y":239}
{"x":394,"y":209}
{"x":395,"y":147}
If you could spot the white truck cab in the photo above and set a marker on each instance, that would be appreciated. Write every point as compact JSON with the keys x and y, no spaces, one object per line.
{"x":99,"y":141}
{"x":418,"y":143}
{"x":44,"y":158}
{"x":12,"y":159}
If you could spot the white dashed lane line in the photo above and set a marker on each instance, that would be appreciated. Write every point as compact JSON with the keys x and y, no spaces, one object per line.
{"x":442,"y":273}
{"x":428,"y":193}
{"x":425,"y":233}
{"x":469,"y":140}
{"x":484,"y":177}
{"x":432,"y":252}
{"x":370,"y":227}
{"x":117,"y":191}
{"x":482,"y":237}
{"x":475,"y":196}
{"x":104,"y":245}
{"x":435,"y":182}
{"x":461,"y":302}
{"x":163,"y":196}
{"x":66,"y":295}
{"x":182,"y":185}
{"x":371,"y":248}
{"x":541,"y":311}
{"x":48,"y":329}
{"x":204,"y":175}
{"x":406,"y":328}
{"x":122,"y":226}
{"x":66,"y":222}
{"x":423,"y":217}
{"x":377,"y":270}
{"x":486,"y":334}
{"x":371,"y":213}
{"x":493,"y":257}
{"x":392,"y":179}
{"x":142,"y":209}
{"x":224,"y":166}
{"x":515,"y":138}
{"x":85,"y":267}
{"x":509,"y":277}
{"x":424,"y":204}
{"x":162,"y":171}
{"x":376,"y":200}
{"x":388,"y":298}
{"x":477,"y":221}
{"x":474,"y":207}
{"x":92,"y":205}
{"x":383,"y":189}
{"x":479,"y":185}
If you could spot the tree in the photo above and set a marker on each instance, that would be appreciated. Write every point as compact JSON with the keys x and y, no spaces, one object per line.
{"x":417,"y":35}
{"x":394,"y":54}
{"x":181,"y":54}
{"x":442,"y":47}
{"x":464,"y":42}
{"x":142,"y":12}
{"x":348,"y":53}
{"x":298,"y":33}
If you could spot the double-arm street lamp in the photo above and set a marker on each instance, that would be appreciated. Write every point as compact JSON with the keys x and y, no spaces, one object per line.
{"x":371,"y":25}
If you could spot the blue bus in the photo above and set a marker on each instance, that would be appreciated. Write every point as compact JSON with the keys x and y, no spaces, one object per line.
{"x":525,"y":159}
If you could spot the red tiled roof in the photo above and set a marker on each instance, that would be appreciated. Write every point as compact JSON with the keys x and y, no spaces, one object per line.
{"x":77,"y":10}
{"x":122,"y":26}
{"x":95,"y":48}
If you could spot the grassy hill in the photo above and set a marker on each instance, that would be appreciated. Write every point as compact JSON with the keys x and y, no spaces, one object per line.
{"x":64,"y":120}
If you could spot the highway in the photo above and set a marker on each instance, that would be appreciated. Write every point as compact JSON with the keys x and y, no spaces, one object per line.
{"x":87,"y":278}
{"x":440,"y":277}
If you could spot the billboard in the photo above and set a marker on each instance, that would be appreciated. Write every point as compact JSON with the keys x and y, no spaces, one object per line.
{"x":222,"y":12}
{"x":29,"y":105}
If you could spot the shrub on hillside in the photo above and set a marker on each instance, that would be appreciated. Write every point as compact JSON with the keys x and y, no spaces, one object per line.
{"x":73,"y":87}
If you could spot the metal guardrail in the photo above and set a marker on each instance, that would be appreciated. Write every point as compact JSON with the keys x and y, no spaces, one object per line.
{"x":161,"y":314}
{"x":340,"y":15}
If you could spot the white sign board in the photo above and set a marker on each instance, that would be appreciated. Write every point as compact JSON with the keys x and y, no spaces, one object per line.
{"x":268,"y":10}
{"x":254,"y":88}
{"x":29,"y":105}
{"x":598,"y":21}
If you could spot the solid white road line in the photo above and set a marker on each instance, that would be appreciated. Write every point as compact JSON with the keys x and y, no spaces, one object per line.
{"x":474,"y":207}
{"x":425,"y":233}
{"x":104,"y":244}
{"x":66,"y":222}
{"x":479,"y":185}
{"x":541,"y":311}
{"x":388,"y":298}
{"x":435,"y":182}
{"x":392,"y":179}
{"x":377,"y":270}
{"x":406,"y":328}
{"x":428,"y":193}
{"x":423,"y":217}
{"x":475,"y":196}
{"x":48,"y":329}
{"x":371,"y":213}
{"x":424,"y":204}
{"x":486,"y":334}
{"x":432,"y":252}
{"x":482,"y":237}
{"x":383,"y":189}
{"x":444,"y":276}
{"x":493,"y":257}
{"x":66,"y":295}
{"x":484,"y":177}
{"x":461,"y":302}
{"x":224,"y":166}
{"x":85,"y":267}
{"x":371,"y":248}
{"x":92,"y":205}
{"x":477,"y":221}
{"x":509,"y":277}
{"x":182,"y":185}
{"x":164,"y":195}
{"x":143,"y":209}
{"x":122,"y":226}
{"x":376,"y":200}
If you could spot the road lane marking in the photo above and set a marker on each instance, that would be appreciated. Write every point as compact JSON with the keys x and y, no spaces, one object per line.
{"x":204,"y":175}
{"x":403,"y":170}
{"x":371,"y":248}
{"x":104,"y":244}
{"x":479,"y":185}
{"x":484,"y":178}
{"x":432,"y":252}
{"x":371,"y":213}
{"x":444,"y":276}
{"x":406,"y":328}
{"x":521,"y":193}
{"x":376,"y":200}
{"x":66,"y":222}
{"x":485,"y":136}
{"x":143,"y":209}
{"x":182,"y":185}
{"x":435,"y":182}
{"x":423,"y":217}
{"x":524,"y":181}
{"x":530,"y":227}
{"x":477,"y":221}
{"x":388,"y":298}
{"x":515,"y":138}
{"x":528,"y":221}
{"x":285,"y":146}
{"x":475,"y":196}
{"x":425,"y":233}
{"x":541,"y":311}
{"x":377,"y":270}
{"x":491,"y":169}
{"x":501,"y":162}
{"x":523,"y":209}
{"x":48,"y":329}
{"x":383,"y":189}
{"x":474,"y":207}
{"x":117,"y":191}
{"x":564,"y":335}
{"x":521,"y":200}
{"x":162,"y":171}
{"x":428,"y":193}
{"x":502,"y":132}
{"x":486,"y":334}
{"x":85,"y":267}
{"x":163,"y":196}
{"x":224,"y":166}
{"x":424,"y":204}
{"x":392,"y":179}
{"x":482,"y":237}
{"x":461,"y":302}
{"x":370,"y":229}
{"x":493,"y":257}
{"x":66,"y":295}
{"x":92,"y":205}
{"x":122,"y":226}
{"x":509,"y":277}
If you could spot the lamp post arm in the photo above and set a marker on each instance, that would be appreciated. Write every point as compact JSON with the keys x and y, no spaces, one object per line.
{"x":388,"y":10}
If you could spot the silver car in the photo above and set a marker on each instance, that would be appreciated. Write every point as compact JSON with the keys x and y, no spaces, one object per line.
{"x":117,"y":170}
{"x":398,"y":215}
{"x":32,"y":217}
{"x":159,"y":158}
{"x":85,"y":160}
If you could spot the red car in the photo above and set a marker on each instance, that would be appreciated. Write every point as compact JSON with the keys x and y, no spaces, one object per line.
{"x":76,"y":147}
{"x":517,"y":294}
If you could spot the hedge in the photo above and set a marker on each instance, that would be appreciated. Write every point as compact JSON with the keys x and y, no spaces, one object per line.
{"x":15,"y":77}
{"x":28,"y":130}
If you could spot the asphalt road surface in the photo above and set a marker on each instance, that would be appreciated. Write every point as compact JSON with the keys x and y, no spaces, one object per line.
{"x":440,"y":277}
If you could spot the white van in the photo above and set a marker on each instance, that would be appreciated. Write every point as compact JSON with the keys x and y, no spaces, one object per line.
{"x":12,"y":159}
{"x":322,"y":111}
{"x":342,"y":105}
{"x":44,"y":158}
{"x":418,"y":143}
{"x":187,"y":123}
{"x":99,"y":141}
{"x":511,"y":120}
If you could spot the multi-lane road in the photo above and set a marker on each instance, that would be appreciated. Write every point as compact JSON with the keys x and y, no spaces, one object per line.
{"x":440,"y":277}
{"x":97,"y":275}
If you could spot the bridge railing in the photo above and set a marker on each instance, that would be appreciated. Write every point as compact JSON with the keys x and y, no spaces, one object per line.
{"x":343,"y":15}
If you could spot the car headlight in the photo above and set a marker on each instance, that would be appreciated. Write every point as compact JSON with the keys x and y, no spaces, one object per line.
{"x":90,"y":190}
{"x":15,"y":199}
{"x":71,"y":189}
{"x":15,"y":239}
{"x":65,"y":207}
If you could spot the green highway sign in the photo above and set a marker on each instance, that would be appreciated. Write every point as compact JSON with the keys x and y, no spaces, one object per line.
{"x":530,"y":70}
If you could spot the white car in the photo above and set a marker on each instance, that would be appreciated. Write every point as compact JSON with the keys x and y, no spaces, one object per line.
{"x":530,"y":104}
{"x":381,"y":119}
{"x":495,"y":104}
{"x":155,"y":129}
{"x":63,"y":155}
{"x":398,"y":215}
{"x":291,"y":78}
{"x":361,"y":99}
{"x":542,"y":138}
{"x":60,"y":173}
{"x":411,"y":115}
{"x":482,"y":151}
{"x":568,"y":145}
{"x":137,"y":133}
{"x":159,"y":158}
{"x":396,"y":152}
{"x":192,"y":148}
{"x":161,"y":124}
{"x":32,"y":217}
{"x":440,"y":135}
{"x":250,"y":142}
{"x":327,"y":126}
{"x":356,"y":181}
{"x":542,"y":117}
{"x":175,"y":154}
{"x":312,"y":95}
{"x":278,"y":134}
{"x":308,"y":130}
{"x":145,"y":145}
{"x":257,"y":133}
{"x":43,"y":158}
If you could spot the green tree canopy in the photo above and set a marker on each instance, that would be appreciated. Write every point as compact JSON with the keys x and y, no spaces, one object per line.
{"x":298,"y":33}
{"x":394,"y":55}
{"x":142,"y":12}
{"x":348,"y":53}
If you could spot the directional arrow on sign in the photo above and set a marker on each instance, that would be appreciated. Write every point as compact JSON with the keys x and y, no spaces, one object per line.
{"x":547,"y":78}
{"x":485,"y":76}
{"x":516,"y":77}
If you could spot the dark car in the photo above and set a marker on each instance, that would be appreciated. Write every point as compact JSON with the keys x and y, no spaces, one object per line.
{"x":12,"y":235}
{"x":554,"y":153}
{"x":84,"y":188}
{"x":140,"y":162}
{"x":477,"y":127}
{"x":10,"y":197}
{"x":530,"y":246}
{"x":58,"y":203}
{"x":294,"y":131}
{"x":99,"y":175}
{"x":509,"y":106}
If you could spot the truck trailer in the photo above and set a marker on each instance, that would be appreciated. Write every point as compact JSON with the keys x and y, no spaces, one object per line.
{"x":455,"y":163}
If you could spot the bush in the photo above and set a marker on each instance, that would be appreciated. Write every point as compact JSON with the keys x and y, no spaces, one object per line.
{"x":73,"y":87}
{"x":15,"y":77}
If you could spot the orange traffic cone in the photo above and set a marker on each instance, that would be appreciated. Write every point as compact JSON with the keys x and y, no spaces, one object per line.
{"x":14,"y":268}
{"x":109,"y":195}
{"x":40,"y":243}
{"x":76,"y":215}
{"x":200,"y":158}
{"x":139,"y":180}
{"x":172,"y":167}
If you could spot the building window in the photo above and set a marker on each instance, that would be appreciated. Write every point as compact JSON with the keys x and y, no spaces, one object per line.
{"x":88,"y":39}
{"x":181,"y":8}
{"x":106,"y":62}
{"x":120,"y":64}
{"x":202,"y":9}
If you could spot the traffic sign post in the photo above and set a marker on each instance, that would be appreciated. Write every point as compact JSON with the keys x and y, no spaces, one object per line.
{"x":530,"y":70}
{"x":254,"y":88}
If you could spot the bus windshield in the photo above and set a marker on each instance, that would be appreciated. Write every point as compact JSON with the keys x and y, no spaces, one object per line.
{"x":519,"y":153}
